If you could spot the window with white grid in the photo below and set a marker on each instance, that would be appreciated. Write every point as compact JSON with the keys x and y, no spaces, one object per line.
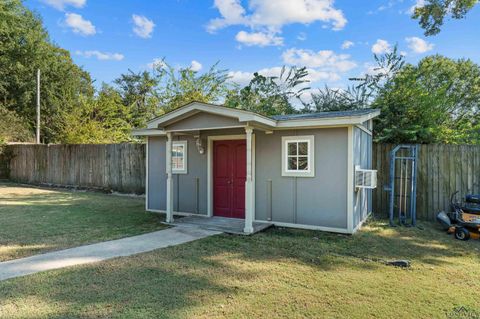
{"x":179,"y":157}
{"x":297,"y":153}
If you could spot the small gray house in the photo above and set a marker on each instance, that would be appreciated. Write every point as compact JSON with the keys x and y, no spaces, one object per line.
{"x":308,"y":171}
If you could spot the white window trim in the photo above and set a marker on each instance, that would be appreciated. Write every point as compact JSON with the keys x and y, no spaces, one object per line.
{"x":185,"y":156}
{"x":311,"y":156}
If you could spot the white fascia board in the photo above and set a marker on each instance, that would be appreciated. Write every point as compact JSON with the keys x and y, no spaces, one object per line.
{"x":257,"y":118}
{"x":335,"y":121}
{"x":148,"y":132}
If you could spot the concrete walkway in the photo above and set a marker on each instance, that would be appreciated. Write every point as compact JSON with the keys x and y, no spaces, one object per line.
{"x":101,"y":251}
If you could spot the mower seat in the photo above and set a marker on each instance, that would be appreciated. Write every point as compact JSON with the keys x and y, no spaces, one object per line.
{"x":472,"y":209}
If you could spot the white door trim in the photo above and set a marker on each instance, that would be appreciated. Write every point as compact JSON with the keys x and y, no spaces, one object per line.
{"x":210,"y":140}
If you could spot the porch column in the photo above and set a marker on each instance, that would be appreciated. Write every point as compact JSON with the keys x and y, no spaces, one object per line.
{"x":249,"y":189}
{"x":169,"y":208}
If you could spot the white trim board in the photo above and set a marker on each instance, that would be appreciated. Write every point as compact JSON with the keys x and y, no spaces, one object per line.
{"x":350,"y":178}
{"x":194,"y":107}
{"x":161,"y":211}
{"x":363,"y":128}
{"x":321,"y":122}
{"x":148,"y":132}
{"x":309,"y":227}
{"x":146,"y":176}
{"x":360,"y":224}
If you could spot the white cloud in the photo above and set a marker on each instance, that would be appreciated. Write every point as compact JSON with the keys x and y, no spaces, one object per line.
{"x":243,"y":78}
{"x":232,"y":13}
{"x":322,"y":66}
{"x":79,"y":25}
{"x":347,"y":44}
{"x":418,"y":45}
{"x":143,"y":26}
{"x":318,"y":75}
{"x":302,"y":36}
{"x":195,"y":66}
{"x":325,"y":59}
{"x":381,"y":46}
{"x":258,"y":38}
{"x":61,"y":4}
{"x":418,"y":4}
{"x":386,"y":6}
{"x":271,"y":16}
{"x":104,"y":56}
{"x":371,"y":69}
{"x":157,"y":62}
{"x":240,"y":77}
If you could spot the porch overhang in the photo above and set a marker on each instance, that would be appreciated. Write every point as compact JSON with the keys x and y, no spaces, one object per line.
{"x":196,"y":107}
{"x":148,"y":132}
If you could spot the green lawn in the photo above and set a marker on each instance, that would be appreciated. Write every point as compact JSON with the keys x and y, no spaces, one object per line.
{"x":281,"y":273}
{"x":34,"y":220}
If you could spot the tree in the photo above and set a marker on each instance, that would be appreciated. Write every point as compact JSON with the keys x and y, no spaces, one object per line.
{"x":13,"y":128}
{"x":137,"y":91}
{"x":271,"y":95}
{"x":361,"y":94}
{"x":432,"y":14}
{"x":179,"y":87}
{"x":100,"y":119}
{"x":436,"y":101}
{"x":25,"y":47}
{"x":329,"y":99}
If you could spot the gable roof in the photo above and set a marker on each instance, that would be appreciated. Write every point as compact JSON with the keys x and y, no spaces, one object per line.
{"x":196,"y":107}
{"x":157,"y":125}
{"x":320,"y":115}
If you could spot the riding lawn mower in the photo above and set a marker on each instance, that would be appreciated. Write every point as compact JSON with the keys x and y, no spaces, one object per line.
{"x":464,"y":219}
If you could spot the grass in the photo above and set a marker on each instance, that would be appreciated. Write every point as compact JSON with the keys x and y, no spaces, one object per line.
{"x":34,"y":220}
{"x":280,"y":273}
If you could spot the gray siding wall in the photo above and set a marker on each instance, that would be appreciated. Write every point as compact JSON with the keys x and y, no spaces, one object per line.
{"x":362,"y":155}
{"x":157,"y":177}
{"x":319,"y":200}
{"x":190,"y":190}
{"x":202,"y":121}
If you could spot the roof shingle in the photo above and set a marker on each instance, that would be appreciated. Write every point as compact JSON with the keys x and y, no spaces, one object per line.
{"x":320,"y":115}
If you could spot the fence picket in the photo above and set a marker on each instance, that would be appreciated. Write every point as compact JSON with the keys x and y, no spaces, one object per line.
{"x":442,"y":169}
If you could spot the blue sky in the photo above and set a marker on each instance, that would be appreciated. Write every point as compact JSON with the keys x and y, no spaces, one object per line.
{"x":334,"y":39}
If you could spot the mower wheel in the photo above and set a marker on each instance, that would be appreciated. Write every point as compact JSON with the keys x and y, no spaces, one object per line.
{"x":462,"y":233}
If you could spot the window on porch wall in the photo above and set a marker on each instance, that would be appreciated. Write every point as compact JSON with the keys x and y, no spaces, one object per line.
{"x":179,"y":157}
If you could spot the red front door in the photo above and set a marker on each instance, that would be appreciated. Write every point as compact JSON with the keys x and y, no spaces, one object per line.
{"x":229,"y":174}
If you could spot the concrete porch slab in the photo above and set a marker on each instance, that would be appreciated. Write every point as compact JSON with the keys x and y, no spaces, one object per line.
{"x":223,"y":224}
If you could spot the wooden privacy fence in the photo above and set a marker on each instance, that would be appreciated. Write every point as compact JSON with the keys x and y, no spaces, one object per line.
{"x":442,"y":169}
{"x":115,"y":167}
